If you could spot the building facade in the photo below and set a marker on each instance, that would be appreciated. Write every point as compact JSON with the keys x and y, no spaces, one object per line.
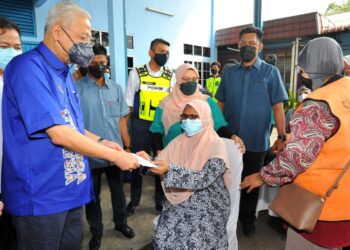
{"x":285,"y":37}
{"x":126,"y":28}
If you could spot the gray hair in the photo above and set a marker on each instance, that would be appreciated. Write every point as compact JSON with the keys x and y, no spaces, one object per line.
{"x":64,"y":11}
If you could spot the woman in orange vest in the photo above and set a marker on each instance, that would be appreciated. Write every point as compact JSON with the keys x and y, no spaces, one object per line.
{"x":319,"y":147}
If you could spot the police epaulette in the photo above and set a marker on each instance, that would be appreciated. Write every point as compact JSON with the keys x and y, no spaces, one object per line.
{"x":142,"y":71}
{"x":167,"y":73}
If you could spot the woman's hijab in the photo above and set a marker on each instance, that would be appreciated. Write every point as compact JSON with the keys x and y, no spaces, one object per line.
{"x":193,"y":152}
{"x":175,"y":102}
{"x":321,"y":58}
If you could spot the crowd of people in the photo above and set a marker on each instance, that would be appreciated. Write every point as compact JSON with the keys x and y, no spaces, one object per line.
{"x":62,"y":131}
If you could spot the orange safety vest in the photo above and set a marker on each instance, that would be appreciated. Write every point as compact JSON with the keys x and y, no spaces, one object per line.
{"x":334,"y":154}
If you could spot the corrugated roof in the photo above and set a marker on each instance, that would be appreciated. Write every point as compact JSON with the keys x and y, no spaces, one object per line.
{"x":309,"y":24}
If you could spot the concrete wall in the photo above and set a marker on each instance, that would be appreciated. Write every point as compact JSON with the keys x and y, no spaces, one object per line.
{"x":190,"y":23}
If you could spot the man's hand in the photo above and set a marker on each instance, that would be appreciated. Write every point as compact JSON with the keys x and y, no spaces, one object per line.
{"x":112,"y":145}
{"x":125,"y":161}
{"x":251,"y":182}
{"x":1,"y":207}
{"x":278,"y":146}
{"x":240,"y":143}
{"x":161,"y":169}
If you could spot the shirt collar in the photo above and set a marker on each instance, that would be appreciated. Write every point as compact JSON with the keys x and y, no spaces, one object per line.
{"x":155,"y":72}
{"x":256,"y":65}
{"x":51,"y":59}
{"x":92,"y":82}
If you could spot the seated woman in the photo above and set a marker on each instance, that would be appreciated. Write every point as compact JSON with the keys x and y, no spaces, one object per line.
{"x":195,"y":181}
{"x":166,"y":125}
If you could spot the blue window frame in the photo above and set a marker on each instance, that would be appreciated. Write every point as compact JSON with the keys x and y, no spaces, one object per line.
{"x":21,"y":12}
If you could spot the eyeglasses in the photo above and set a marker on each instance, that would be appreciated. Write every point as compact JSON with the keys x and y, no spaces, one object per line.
{"x":188,"y":79}
{"x":191,"y":117}
{"x":83,"y":38}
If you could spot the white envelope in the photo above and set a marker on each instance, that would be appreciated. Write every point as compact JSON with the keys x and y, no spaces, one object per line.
{"x":144,"y":162}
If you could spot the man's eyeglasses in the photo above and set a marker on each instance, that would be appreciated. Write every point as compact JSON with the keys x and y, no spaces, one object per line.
{"x":191,"y":117}
{"x":82,"y":37}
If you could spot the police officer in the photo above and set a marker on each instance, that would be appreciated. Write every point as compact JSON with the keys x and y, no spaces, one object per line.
{"x":213,"y":82}
{"x":147,"y":86}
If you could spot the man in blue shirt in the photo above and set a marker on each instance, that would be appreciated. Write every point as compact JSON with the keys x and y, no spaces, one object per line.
{"x":46,"y":177}
{"x":105,"y":110}
{"x":246,"y":94}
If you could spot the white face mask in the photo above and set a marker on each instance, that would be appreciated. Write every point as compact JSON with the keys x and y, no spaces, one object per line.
{"x":302,"y":97}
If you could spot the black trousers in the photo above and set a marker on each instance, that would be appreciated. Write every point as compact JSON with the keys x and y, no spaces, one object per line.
{"x":93,"y":209}
{"x":141,"y":140}
{"x":252,"y":163}
{"x":7,"y":232}
{"x":60,"y":231}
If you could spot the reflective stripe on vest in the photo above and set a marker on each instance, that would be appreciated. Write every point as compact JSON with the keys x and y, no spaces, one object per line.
{"x":212,"y":85}
{"x":334,"y":154}
{"x":152,"y":91}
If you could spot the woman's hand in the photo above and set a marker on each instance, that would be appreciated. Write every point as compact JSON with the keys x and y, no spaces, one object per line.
{"x":251,"y":182}
{"x":161,"y":169}
{"x":144,"y":155}
{"x":240,"y":143}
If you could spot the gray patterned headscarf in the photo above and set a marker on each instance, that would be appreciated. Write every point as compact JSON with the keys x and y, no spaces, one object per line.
{"x":321,"y":58}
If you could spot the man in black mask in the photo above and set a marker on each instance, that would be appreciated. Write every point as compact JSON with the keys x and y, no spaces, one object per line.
{"x":213,"y":82}
{"x":147,"y":86}
{"x":105,"y":113}
{"x":247,"y":94}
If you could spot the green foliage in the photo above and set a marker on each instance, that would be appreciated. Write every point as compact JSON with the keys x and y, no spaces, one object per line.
{"x":334,"y":8}
{"x":291,"y":102}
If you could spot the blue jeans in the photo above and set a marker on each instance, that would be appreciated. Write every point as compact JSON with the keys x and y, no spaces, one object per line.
{"x":60,"y":231}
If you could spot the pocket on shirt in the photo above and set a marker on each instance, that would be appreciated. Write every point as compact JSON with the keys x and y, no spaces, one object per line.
{"x":112,"y":108}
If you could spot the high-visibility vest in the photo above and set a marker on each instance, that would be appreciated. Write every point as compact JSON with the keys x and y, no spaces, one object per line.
{"x":212,"y":85}
{"x":152,"y":91}
{"x":334,"y":154}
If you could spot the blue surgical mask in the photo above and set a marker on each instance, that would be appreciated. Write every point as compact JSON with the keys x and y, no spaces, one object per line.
{"x":6,"y":56}
{"x":191,"y":127}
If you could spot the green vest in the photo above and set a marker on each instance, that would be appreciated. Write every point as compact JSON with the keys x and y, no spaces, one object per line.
{"x":212,"y":85}
{"x":152,"y":91}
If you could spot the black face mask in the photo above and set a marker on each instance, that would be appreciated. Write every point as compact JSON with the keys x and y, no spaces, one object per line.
{"x":304,"y":81}
{"x":97,"y":70}
{"x":247,"y":53}
{"x":214,"y":71}
{"x":161,"y":59}
{"x":188,"y":88}
{"x":83,"y":71}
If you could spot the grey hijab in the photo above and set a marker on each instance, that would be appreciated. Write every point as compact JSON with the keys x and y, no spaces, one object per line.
{"x":323,"y":56}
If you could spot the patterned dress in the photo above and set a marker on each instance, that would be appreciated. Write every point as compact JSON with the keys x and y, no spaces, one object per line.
{"x":199,"y":222}
{"x":308,"y":134}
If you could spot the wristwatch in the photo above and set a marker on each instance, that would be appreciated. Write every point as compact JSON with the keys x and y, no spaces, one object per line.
{"x":282,"y":137}
{"x":127,"y":147}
